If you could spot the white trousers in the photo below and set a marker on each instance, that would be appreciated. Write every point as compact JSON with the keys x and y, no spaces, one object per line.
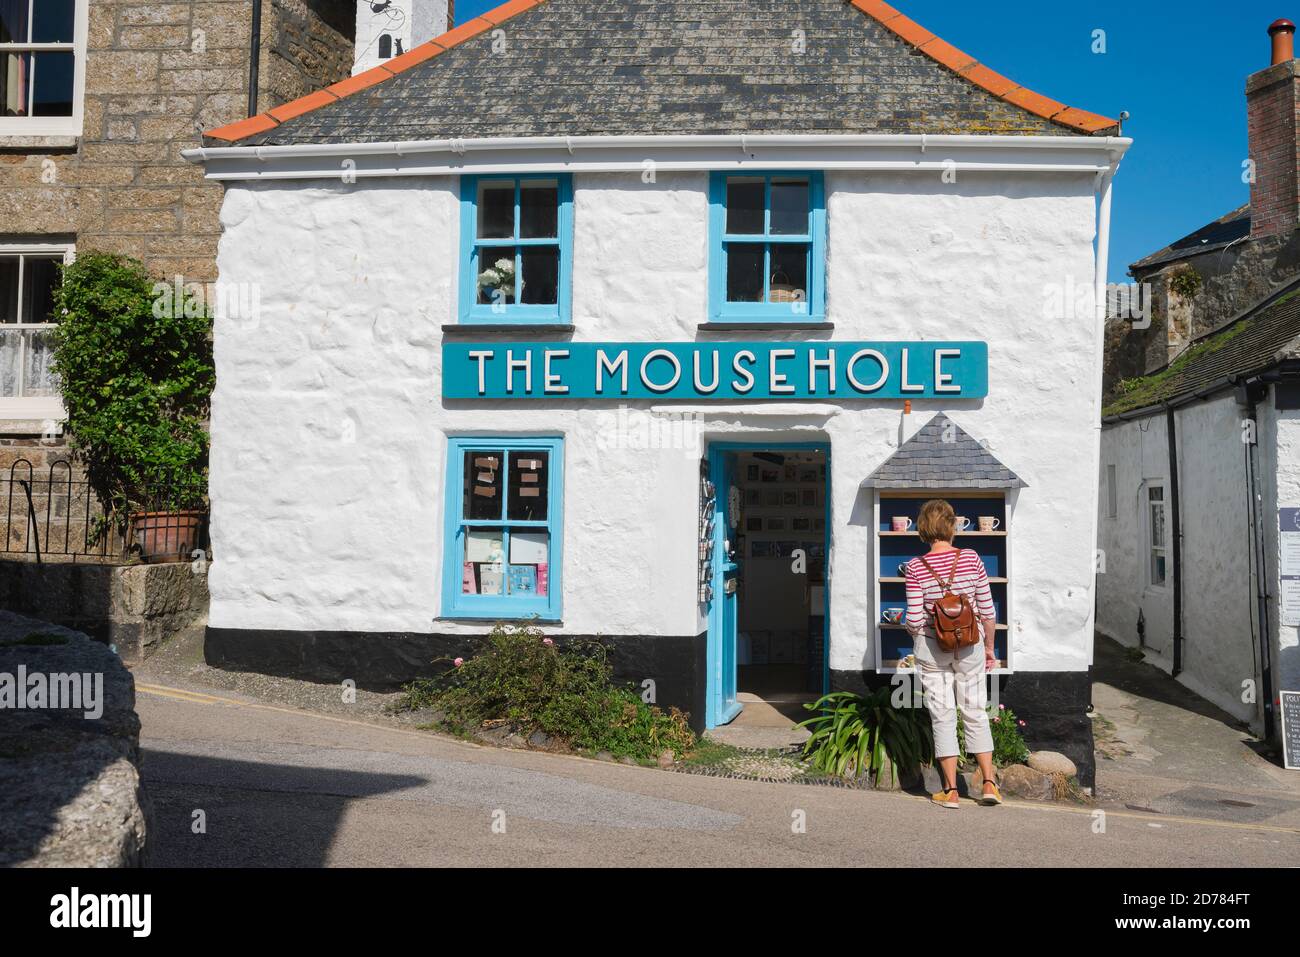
{"x":956,"y":681}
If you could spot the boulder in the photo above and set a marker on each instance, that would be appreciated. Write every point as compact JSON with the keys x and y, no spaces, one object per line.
{"x":667,"y":759}
{"x":70,"y":793}
{"x":539,"y":739}
{"x":1052,"y":762}
{"x":604,"y":756}
{"x":1021,"y":781}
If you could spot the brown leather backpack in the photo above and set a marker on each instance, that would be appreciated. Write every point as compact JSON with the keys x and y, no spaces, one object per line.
{"x":952,"y":616}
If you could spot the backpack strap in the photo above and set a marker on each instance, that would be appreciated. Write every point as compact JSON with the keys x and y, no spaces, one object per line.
{"x":946,"y":586}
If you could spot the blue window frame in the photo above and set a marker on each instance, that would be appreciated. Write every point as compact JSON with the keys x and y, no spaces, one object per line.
{"x":516,"y":248}
{"x":767,"y":247}
{"x":504,"y":516}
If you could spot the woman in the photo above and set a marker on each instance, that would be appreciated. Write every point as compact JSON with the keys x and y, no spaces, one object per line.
{"x":952,"y":680}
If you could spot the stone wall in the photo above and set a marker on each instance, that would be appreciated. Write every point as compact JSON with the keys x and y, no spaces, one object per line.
{"x":134,"y":608}
{"x":157,"y":75}
{"x":70,"y":793}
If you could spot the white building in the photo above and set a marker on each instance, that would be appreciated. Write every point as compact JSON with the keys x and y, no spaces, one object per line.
{"x":410,"y":442}
{"x":389,"y":28}
{"x":1200,"y":468}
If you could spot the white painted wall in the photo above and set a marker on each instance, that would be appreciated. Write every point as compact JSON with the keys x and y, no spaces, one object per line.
{"x":411,"y":21}
{"x":329,"y":430}
{"x":1280,"y":445}
{"x":1218,"y":652}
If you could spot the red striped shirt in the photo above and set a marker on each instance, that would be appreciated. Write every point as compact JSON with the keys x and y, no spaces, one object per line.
{"x":923,"y":589}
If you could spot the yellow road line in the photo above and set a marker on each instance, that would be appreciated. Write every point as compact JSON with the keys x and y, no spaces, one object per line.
{"x":194,"y":697}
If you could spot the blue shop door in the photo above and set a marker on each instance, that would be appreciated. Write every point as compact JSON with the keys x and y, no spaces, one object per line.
{"x":722,"y":703}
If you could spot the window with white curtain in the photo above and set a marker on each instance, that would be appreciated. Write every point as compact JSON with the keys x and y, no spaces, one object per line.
{"x":42,"y":66}
{"x":29,"y":274}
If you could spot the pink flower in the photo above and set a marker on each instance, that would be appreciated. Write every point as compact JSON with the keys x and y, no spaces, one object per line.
{"x":1002,"y":707}
{"x":548,"y":642}
{"x":458,"y":662}
{"x":1021,"y":723}
{"x":997,"y":719}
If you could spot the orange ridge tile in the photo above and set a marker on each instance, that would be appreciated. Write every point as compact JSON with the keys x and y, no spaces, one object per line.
{"x":947,"y":54}
{"x":362,"y":81}
{"x":249,"y":127}
{"x":877,"y":9}
{"x":500,"y":14}
{"x":304,"y":104}
{"x":909,"y":30}
{"x":1043,"y":106}
{"x":414,"y":56}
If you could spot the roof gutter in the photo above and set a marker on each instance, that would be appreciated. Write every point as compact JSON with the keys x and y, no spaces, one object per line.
{"x":872,"y":151}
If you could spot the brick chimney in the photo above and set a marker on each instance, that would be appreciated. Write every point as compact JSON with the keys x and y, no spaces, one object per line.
{"x":389,"y":28}
{"x":1272,"y":103}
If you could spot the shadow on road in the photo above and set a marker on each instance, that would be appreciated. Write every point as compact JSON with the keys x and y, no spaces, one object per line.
{"x":217,"y":812}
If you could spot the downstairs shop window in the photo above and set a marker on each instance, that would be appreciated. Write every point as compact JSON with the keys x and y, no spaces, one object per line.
{"x":504,"y":505}
{"x":767,"y":250}
{"x":516,"y":248}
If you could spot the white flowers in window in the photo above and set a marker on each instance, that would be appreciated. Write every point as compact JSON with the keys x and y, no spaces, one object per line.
{"x":499,"y":277}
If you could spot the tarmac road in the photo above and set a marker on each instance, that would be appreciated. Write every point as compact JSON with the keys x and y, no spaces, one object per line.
{"x":283,"y":787}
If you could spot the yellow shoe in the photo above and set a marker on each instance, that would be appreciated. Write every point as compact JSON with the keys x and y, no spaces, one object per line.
{"x":946,"y":798}
{"x":992,"y":796}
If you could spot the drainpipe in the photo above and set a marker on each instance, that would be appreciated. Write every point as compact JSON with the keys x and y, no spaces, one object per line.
{"x":1176,"y":540}
{"x":1253,"y":497}
{"x":254,"y":57}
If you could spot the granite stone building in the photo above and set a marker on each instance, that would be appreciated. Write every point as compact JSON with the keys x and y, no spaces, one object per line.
{"x":1200,"y":465}
{"x":97,"y":100}
{"x":655,"y":321}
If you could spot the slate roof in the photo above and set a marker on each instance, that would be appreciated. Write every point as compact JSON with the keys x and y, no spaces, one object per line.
{"x":1224,"y":231}
{"x":942,"y":456}
{"x":659,"y":67}
{"x":1265,"y":336}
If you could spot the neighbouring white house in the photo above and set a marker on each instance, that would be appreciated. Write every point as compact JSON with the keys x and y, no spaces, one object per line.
{"x":1199,"y":524}
{"x":656,"y":322}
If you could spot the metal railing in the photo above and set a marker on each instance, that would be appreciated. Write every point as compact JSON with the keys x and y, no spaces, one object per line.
{"x":53,"y":515}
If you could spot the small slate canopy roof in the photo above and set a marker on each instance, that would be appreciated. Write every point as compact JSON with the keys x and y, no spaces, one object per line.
{"x":661,"y":67}
{"x":942,"y":456}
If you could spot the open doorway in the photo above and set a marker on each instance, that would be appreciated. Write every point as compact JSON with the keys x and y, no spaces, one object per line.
{"x":779,"y":548}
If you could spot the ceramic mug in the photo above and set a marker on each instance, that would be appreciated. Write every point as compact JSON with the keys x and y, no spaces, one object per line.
{"x":902,"y":570}
{"x":963,"y":523}
{"x":900,"y":523}
{"x":892,"y":616}
{"x":989,"y":523}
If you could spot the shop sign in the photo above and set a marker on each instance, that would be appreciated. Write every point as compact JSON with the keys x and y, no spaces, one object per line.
{"x":715,"y":371}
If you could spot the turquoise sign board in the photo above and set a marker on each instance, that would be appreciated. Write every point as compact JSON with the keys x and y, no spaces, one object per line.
{"x":717,"y":371}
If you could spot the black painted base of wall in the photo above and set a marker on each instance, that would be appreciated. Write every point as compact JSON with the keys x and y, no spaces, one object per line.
{"x":1053,"y":705}
{"x":386,"y":661}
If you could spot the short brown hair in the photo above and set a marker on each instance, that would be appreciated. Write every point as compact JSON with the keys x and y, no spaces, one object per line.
{"x":937,"y":522}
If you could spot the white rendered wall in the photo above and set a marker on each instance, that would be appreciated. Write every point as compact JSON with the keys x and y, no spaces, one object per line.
{"x":329,"y":432}
{"x":1280,"y":469}
{"x":1218,"y":652}
{"x":410,"y":21}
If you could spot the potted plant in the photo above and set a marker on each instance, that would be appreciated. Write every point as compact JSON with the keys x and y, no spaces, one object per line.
{"x":136,"y":373}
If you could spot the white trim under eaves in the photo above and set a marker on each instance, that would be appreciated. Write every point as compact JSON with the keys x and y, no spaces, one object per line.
{"x":596,"y":154}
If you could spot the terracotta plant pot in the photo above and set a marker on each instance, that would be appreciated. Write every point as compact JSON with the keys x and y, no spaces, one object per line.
{"x":167,"y":536}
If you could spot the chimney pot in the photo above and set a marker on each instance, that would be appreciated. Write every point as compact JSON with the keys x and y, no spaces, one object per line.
{"x":1283,"y":34}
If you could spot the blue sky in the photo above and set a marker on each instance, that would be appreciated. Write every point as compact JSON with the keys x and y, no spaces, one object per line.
{"x":1179,"y":69}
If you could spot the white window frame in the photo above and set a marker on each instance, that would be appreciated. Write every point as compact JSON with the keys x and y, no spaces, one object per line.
{"x":1151,"y":547}
{"x":55,"y":125}
{"x":43,"y":407}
